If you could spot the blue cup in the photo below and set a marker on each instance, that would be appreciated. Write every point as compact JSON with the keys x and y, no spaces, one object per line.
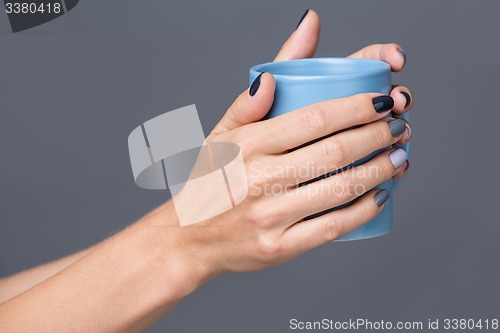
{"x":307,"y":81}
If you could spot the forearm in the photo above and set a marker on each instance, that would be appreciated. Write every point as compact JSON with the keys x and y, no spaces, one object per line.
{"x":125,"y":284}
{"x":20,"y":282}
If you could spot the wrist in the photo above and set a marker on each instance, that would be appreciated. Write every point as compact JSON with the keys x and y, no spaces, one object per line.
{"x":180,"y":251}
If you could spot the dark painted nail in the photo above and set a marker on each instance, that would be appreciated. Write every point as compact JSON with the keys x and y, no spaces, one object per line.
{"x":381,"y":197}
{"x":403,"y":54}
{"x":397,"y":127}
{"x":302,"y":18}
{"x":255,"y":85}
{"x":383,"y":103}
{"x":408,"y":98}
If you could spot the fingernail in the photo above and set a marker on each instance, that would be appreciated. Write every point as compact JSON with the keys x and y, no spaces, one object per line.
{"x":397,"y":127}
{"x":409,"y":131}
{"x":255,"y":85}
{"x":383,"y":103}
{"x":397,"y":157}
{"x":407,"y":166}
{"x":408,"y":98}
{"x":302,"y":18}
{"x":403,"y":54}
{"x":381,"y":197}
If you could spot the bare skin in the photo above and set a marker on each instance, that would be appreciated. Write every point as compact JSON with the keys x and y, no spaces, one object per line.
{"x":129,"y":281}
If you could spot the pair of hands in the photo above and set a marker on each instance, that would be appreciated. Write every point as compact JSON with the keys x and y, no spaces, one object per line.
{"x":130,"y":280}
{"x":265,"y":230}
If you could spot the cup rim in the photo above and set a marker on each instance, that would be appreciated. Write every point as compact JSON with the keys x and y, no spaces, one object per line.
{"x":377,"y":67}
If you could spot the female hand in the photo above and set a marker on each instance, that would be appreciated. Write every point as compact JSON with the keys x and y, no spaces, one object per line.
{"x":303,"y":43}
{"x":132,"y":279}
{"x":267,"y":228}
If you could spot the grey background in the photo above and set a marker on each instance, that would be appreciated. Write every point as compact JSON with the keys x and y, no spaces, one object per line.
{"x":73,"y":89}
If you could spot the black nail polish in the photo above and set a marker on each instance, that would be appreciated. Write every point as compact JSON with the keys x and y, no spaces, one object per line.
{"x":403,"y":54}
{"x":302,"y":18}
{"x":381,"y":197}
{"x":255,"y":85}
{"x":397,"y":127}
{"x":408,"y":98}
{"x":383,"y":103}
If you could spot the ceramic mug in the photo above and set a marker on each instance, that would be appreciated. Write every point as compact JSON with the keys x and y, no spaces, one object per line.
{"x":306,"y":81}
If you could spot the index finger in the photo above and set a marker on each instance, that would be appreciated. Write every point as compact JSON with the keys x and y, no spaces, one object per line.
{"x":393,"y":54}
{"x":317,"y":120}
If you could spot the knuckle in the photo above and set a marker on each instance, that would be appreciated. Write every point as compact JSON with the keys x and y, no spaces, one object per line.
{"x":257,"y":217}
{"x":360,"y":106}
{"x":244,"y":139}
{"x":263,"y":180}
{"x":382,"y":135}
{"x":315,"y":118}
{"x":365,"y":213}
{"x":333,"y":149}
{"x":345,"y":188}
{"x":334,"y":229}
{"x":269,"y":247}
{"x":255,"y":185}
{"x":237,"y":108}
{"x":384,"y":169}
{"x":379,"y":171}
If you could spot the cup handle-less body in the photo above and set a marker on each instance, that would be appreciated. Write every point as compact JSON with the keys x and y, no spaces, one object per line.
{"x":306,"y":81}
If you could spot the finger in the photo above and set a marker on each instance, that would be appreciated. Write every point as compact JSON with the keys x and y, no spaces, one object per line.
{"x":403,"y":100}
{"x":317,"y":120}
{"x":250,"y":106}
{"x":393,"y":54}
{"x":403,"y":173}
{"x":304,"y":236}
{"x":343,"y":187}
{"x":303,"y":42}
{"x":340,"y":150}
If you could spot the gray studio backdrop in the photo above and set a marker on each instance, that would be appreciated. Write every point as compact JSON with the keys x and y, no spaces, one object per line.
{"x":73,"y":89}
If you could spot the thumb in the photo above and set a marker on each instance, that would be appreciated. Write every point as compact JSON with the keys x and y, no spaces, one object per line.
{"x":250,"y":106}
{"x":303,"y":42}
